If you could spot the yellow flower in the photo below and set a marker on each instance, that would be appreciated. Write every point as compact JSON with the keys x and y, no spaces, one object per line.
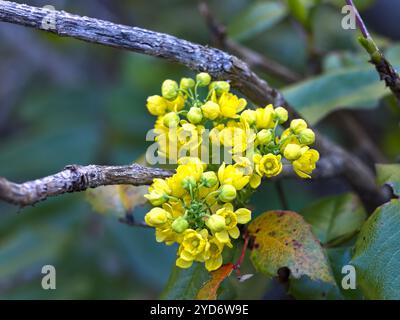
{"x":219,"y":87}
{"x":203,"y":79}
{"x":269,"y":165}
{"x":307,"y":136}
{"x":156,"y":217}
{"x":227,"y":193}
{"x":292,"y":151}
{"x":176,"y":182}
{"x":169,"y":89}
{"x":216,"y":223}
{"x":156,"y":105}
{"x":166,"y":234}
{"x":232,"y":218}
{"x":158,"y":192}
{"x":281,"y":115}
{"x":194,"y":246}
{"x":211,"y":110}
{"x":255,"y":181}
{"x":214,"y":254}
{"x":248,"y":116}
{"x":306,"y":163}
{"x":236,"y":138}
{"x":287,"y":137}
{"x":298,"y":125}
{"x":233,"y":176}
{"x":230,"y":105}
{"x":264,"y":117}
{"x":195,"y":115}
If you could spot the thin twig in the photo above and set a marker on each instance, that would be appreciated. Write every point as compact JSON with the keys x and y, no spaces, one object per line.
{"x":281,"y":195}
{"x":385,"y":69}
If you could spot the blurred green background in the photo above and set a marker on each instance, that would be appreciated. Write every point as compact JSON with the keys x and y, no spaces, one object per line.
{"x":63,"y":102}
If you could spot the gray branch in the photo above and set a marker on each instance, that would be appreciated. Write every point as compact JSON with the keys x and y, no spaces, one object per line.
{"x":197,"y":57}
{"x":76,"y":178}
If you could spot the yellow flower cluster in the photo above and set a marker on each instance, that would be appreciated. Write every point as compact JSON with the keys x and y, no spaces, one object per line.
{"x":193,"y":208}
{"x":201,"y":205}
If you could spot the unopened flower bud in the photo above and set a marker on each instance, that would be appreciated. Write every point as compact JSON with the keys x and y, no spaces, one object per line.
{"x":249,"y":116}
{"x":298,"y":125}
{"x":169,"y":89}
{"x":187,"y":83}
{"x":180,"y":224}
{"x":203,"y":79}
{"x":209,"y":179}
{"x":189,"y":183}
{"x":220,"y":87}
{"x":216,"y":223}
{"x":292,"y":152}
{"x":307,"y":136}
{"x":156,"y":217}
{"x":264,"y":136}
{"x":156,"y":197}
{"x":171,"y":120}
{"x":227,"y":193}
{"x":195,"y":115}
{"x":211,"y":110}
{"x":156,"y":105}
{"x":281,"y":115}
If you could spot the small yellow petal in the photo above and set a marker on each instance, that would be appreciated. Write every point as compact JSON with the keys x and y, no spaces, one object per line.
{"x":222,"y":236}
{"x":183,"y":263}
{"x":234,"y":232}
{"x":243,"y":215}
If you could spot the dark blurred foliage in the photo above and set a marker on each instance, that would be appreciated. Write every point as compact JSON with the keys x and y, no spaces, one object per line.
{"x":63,"y":101}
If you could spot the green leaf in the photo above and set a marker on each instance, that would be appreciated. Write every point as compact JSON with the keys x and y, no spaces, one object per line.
{"x":257,"y":18}
{"x":338,"y":258}
{"x":284,"y":239}
{"x":377,"y":255}
{"x":184,"y":284}
{"x":389,"y":174}
{"x":351,"y":88}
{"x":305,"y":288}
{"x":335,"y":218}
{"x":300,"y":9}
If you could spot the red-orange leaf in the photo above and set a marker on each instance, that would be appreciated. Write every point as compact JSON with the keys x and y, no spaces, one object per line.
{"x":209,"y":289}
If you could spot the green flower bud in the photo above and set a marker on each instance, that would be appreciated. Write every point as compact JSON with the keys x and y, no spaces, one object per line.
{"x":292,"y":152}
{"x":307,"y":136}
{"x":180,"y":224}
{"x":156,"y":197}
{"x":227,"y":193}
{"x":298,"y":125}
{"x":169,"y":89}
{"x":216,"y":223}
{"x":211,"y":110}
{"x":209,"y":179}
{"x":156,"y":217}
{"x":220,"y":87}
{"x":249,"y":116}
{"x":171,"y":120}
{"x":264,"y":136}
{"x":203,"y":79}
{"x":195,"y":115}
{"x":187,"y":83}
{"x":281,"y":115}
{"x":189,"y":182}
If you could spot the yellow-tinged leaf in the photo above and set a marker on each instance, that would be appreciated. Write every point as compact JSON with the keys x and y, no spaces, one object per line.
{"x":284,"y":239}
{"x":210,"y":288}
{"x":118,"y":199}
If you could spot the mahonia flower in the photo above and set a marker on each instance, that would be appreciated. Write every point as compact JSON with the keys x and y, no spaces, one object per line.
{"x":202,"y":205}
{"x":193,"y":208}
